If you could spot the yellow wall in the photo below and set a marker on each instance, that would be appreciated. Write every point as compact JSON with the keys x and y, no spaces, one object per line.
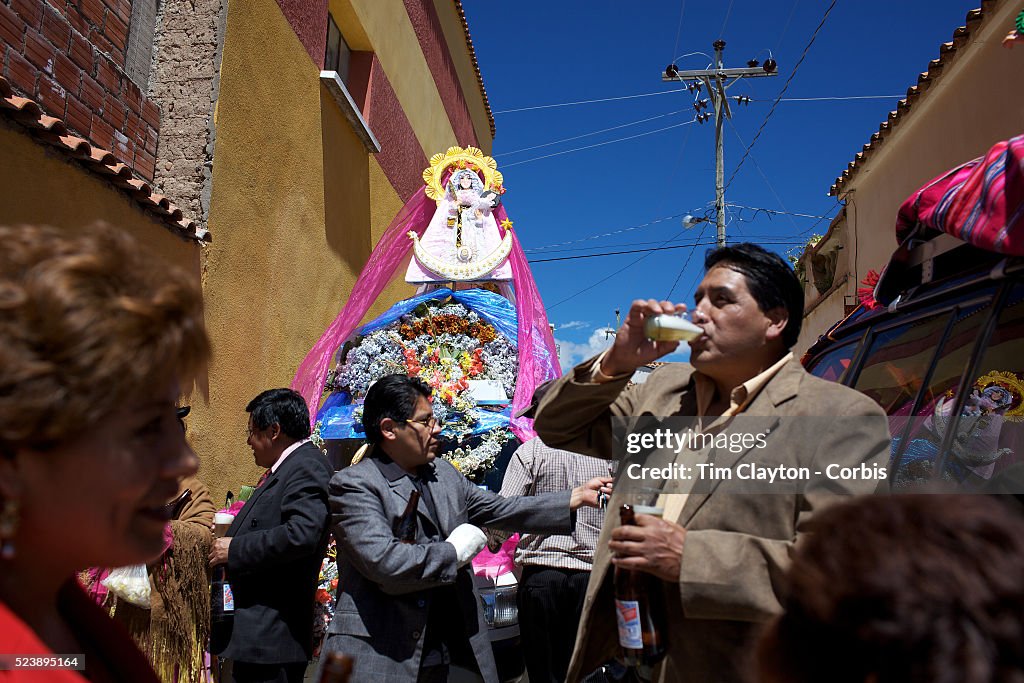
{"x":390,"y":32}
{"x":451,"y":25}
{"x":41,"y":187}
{"x":296,"y":207}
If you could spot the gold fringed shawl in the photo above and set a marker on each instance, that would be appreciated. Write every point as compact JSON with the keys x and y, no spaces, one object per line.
{"x":174,"y":631}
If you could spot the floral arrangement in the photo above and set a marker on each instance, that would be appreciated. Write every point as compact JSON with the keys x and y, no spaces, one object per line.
{"x":326,"y":594}
{"x":445,"y":344}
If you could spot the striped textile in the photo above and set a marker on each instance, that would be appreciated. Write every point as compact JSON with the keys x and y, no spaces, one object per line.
{"x":980,"y":202}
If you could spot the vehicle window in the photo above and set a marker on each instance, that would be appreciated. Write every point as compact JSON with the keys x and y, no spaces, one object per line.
{"x":986,"y":431}
{"x":894,"y":367}
{"x":834,"y":364}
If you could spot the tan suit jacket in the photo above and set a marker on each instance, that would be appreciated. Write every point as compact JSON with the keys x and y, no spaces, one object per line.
{"x":737,"y":546}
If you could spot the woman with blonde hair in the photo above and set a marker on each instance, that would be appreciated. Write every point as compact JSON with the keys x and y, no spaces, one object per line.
{"x":98,"y":339}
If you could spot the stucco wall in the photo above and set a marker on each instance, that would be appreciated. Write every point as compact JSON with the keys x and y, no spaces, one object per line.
{"x":296,"y":207}
{"x":41,"y":187}
{"x":970,"y":107}
{"x":182,"y":80}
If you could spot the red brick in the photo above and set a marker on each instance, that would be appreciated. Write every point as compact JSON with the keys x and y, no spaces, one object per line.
{"x":52,"y":96}
{"x":77,"y":21}
{"x":108,"y":76}
{"x":12,"y":28}
{"x":81,"y":53}
{"x":151,"y":113}
{"x":101,"y":134}
{"x":131,"y":95}
{"x":22,"y":74}
{"x":117,"y":31}
{"x":114,"y":112}
{"x":30,"y":11}
{"x":152,"y":137}
{"x":123,"y":148}
{"x":79,"y":117}
{"x":39,"y":51}
{"x":56,"y":29}
{"x":68,"y":74}
{"x":135,"y":129}
{"x":121,"y":9}
{"x":100,"y":42}
{"x":145,"y":164}
{"x":117,"y":57}
{"x":92,"y":94}
{"x":94,"y":11}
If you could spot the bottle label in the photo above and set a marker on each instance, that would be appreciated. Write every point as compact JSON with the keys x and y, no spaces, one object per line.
{"x":229,"y":598}
{"x":627,"y":612}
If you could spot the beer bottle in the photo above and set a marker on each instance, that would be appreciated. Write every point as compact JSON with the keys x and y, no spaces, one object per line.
{"x":222,"y":605}
{"x":337,"y":668}
{"x":639,"y":610}
{"x":406,"y":528}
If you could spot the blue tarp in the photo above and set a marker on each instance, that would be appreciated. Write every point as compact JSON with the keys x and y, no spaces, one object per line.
{"x":335,"y":415}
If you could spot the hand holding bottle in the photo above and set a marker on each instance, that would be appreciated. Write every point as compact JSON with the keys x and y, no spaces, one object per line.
{"x":632,"y":348}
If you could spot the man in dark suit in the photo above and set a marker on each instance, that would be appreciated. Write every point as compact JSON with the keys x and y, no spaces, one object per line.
{"x":274,"y":548}
{"x":719,"y":551}
{"x":405,"y":610}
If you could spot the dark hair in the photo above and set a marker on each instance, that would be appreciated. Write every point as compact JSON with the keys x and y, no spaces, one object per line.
{"x":771,"y":281}
{"x":393,"y":396}
{"x":284,"y":407}
{"x":904,"y":588}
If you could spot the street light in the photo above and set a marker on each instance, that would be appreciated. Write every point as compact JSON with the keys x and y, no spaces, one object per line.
{"x":690,"y":221}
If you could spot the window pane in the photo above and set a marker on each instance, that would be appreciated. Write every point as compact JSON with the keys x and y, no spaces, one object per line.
{"x":333,"y":42}
{"x":989,"y":433}
{"x":834,"y":364}
{"x":914,"y":463}
{"x":894,"y":368}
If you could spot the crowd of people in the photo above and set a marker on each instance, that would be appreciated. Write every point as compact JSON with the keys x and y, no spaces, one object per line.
{"x":100,"y":341}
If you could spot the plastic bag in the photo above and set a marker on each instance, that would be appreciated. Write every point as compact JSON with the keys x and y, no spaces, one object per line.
{"x":130,"y":583}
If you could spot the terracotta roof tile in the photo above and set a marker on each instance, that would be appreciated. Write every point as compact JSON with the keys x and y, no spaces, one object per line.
{"x":476,"y":65}
{"x":947,"y":51}
{"x":100,"y":162}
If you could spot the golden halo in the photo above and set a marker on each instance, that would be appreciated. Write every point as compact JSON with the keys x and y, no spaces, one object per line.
{"x":1010,"y":382}
{"x":470,"y":157}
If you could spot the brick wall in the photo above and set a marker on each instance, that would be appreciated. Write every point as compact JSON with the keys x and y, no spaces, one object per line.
{"x":69,"y":56}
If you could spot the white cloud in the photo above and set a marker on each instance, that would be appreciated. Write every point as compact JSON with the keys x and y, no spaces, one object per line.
{"x":571,"y":325}
{"x":571,"y":353}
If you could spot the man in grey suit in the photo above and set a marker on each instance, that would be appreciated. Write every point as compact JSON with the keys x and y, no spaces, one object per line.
{"x":405,"y":611}
{"x":720,"y":553}
{"x":274,"y":548}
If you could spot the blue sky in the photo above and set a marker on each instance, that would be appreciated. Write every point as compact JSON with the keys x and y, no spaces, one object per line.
{"x":535,"y":53}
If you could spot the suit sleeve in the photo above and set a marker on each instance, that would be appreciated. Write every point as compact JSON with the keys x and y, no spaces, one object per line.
{"x":547,"y":513}
{"x":576,"y":414}
{"x":304,"y":515}
{"x":737,"y":576}
{"x":365,"y":535}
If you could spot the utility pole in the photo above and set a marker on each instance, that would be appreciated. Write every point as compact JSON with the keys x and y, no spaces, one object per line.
{"x":716,"y":81}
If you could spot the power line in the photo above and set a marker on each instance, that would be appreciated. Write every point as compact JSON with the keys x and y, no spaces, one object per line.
{"x":796,"y":68}
{"x":725,"y":21}
{"x":601,"y":144}
{"x":596,"y":132}
{"x":679,"y":27}
{"x":785,"y":28}
{"x":607,"y":234}
{"x":662,"y":247}
{"x":764,"y":176}
{"x":603,"y":99}
{"x":668,"y":297}
{"x":609,"y":276}
{"x":786,"y":238}
{"x":824,"y":99}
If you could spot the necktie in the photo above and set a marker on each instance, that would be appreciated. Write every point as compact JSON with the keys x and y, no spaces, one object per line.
{"x":263,"y":478}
